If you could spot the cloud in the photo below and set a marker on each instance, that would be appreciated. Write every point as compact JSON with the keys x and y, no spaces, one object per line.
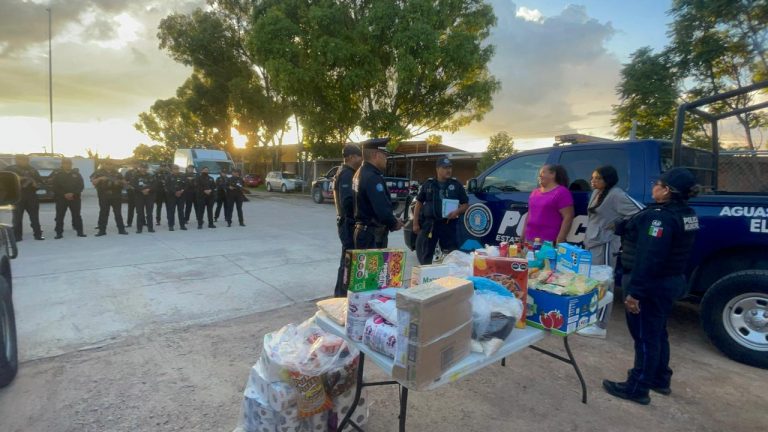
{"x":555,"y":72}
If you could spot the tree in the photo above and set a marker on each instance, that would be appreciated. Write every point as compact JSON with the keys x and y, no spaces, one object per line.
{"x":500,"y":146}
{"x":387,"y":68}
{"x":155,"y":153}
{"x":172,"y":123}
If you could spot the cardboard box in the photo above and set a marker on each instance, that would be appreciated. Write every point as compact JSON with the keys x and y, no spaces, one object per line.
{"x":562,"y":315}
{"x":426,"y":363}
{"x":573,"y":259}
{"x":426,"y":312}
{"x":372,"y":269}
{"x":510,"y":272}
{"x":423,"y":274}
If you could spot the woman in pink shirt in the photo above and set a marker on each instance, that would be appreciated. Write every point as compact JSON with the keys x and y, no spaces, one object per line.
{"x":550,"y":207}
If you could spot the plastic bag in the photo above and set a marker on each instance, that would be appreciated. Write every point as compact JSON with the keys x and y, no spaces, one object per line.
{"x":485,"y":284}
{"x":385,"y":307}
{"x":603,"y":274}
{"x":462,"y":262}
{"x":493,"y":319}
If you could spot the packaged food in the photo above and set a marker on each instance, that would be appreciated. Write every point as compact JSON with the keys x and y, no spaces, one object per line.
{"x":372,"y":269}
{"x":380,"y":335}
{"x":509,"y":272}
{"x":573,"y":259}
{"x":335,"y":308}
{"x":311,"y":396}
{"x":386,"y":307}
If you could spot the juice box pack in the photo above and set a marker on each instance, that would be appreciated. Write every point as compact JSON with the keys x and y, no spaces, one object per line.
{"x":510,"y":272}
{"x":372,"y":269}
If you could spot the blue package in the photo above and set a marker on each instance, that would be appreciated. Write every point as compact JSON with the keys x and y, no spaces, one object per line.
{"x":485,"y":284}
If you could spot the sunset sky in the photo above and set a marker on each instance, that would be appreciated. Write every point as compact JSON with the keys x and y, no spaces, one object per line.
{"x":558,"y":63}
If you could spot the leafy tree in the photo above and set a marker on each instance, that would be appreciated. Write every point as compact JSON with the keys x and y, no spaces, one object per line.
{"x":389,"y":68}
{"x":172,"y":123}
{"x":155,"y":153}
{"x":500,"y":146}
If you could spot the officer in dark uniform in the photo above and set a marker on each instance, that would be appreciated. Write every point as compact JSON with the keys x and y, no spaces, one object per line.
{"x":175,"y":183}
{"x":221,"y":194}
{"x":144,"y":190}
{"x":128,"y":176}
{"x":373,"y":208}
{"x":235,"y":197}
{"x":29,"y":180}
{"x":430,"y":222}
{"x":109,"y":186}
{"x":205,"y":189}
{"x":67,"y":186}
{"x":345,"y":208}
{"x":160,"y":197}
{"x":189,"y":192}
{"x":656,"y":243}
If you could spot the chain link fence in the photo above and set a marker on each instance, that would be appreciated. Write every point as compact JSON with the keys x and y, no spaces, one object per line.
{"x":743,"y":172}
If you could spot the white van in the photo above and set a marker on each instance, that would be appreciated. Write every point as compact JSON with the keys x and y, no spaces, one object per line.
{"x":214,"y":160}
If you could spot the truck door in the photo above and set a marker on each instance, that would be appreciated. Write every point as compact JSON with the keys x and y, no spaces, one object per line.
{"x":498,"y":206}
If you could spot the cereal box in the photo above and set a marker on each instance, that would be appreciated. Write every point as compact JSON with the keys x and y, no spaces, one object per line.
{"x":372,"y":269}
{"x":573,"y":259}
{"x":510,"y":272}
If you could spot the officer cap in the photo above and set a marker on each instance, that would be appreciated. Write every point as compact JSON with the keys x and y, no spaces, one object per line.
{"x":443,"y":162}
{"x":375,"y":144}
{"x":351,"y":150}
{"x":680,"y":180}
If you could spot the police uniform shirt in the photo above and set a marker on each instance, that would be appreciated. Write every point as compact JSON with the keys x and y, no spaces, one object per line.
{"x":67,"y":182}
{"x":372,"y":203}
{"x":342,"y":192}
{"x":29,"y":178}
{"x":234,"y":182}
{"x":204,"y":182}
{"x":113,"y":181}
{"x":656,"y":243}
{"x":143,"y":181}
{"x":433,"y":192}
{"x":175,"y":182}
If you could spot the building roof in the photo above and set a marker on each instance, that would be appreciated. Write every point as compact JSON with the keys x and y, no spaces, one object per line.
{"x":409,"y":147}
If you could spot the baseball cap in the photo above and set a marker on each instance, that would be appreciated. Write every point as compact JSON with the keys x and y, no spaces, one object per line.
{"x":443,"y":162}
{"x":679,"y":179}
{"x":350,"y":150}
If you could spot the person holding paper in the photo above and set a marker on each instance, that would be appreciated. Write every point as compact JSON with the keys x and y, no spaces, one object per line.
{"x":439,"y":204}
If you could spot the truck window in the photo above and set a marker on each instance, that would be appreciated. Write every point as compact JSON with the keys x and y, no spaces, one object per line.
{"x":580,"y":164}
{"x":699,"y":161}
{"x":517,"y":175}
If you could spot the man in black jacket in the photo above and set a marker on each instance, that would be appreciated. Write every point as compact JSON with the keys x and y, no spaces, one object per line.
{"x":344,"y":200}
{"x":160,"y":197}
{"x":144,"y":189}
{"x":67,"y":187}
{"x":235,"y":197}
{"x":222,"y":188}
{"x":175,"y":183}
{"x":205,"y":188}
{"x":109,"y":186}
{"x":29,"y":180}
{"x":190,"y":201}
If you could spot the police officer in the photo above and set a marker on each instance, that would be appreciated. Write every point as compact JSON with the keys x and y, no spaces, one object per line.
{"x":160,"y":196}
{"x":345,"y":208}
{"x":221,"y":194}
{"x":67,"y":186}
{"x":205,"y":188}
{"x":128,"y":176}
{"x":175,"y":183}
{"x":235,"y":197}
{"x":190,"y":201}
{"x":656,"y":243}
{"x":431,"y":222}
{"x":144,"y":191}
{"x":29,"y":180}
{"x":373,"y":208}
{"x":109,"y":186}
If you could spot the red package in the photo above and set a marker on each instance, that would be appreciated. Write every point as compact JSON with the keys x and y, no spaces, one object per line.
{"x":510,"y":272}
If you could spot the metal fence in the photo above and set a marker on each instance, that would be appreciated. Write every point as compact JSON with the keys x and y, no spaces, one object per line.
{"x":743,"y":172}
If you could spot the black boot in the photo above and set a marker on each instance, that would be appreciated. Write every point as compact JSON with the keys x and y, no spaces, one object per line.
{"x":101,"y":233}
{"x":150,"y":229}
{"x":81,"y":234}
{"x":621,"y":390}
{"x":123,"y":232}
{"x":58,"y":236}
{"x":39,"y":236}
{"x":200,"y":226}
{"x":660,"y":389}
{"x":170,"y":228}
{"x":183,"y":228}
{"x":229,"y":224}
{"x":242,"y":223}
{"x":211,"y":225}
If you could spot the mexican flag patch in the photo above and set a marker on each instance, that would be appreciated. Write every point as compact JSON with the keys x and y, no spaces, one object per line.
{"x":655,"y":231}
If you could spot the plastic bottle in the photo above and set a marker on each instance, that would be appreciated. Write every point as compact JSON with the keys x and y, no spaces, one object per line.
{"x":536,"y":244}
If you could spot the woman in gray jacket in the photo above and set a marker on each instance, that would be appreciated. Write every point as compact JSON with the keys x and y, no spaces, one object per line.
{"x":607,"y":205}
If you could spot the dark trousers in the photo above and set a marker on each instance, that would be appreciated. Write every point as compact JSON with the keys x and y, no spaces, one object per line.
{"x":233,"y":200}
{"x":131,"y":207}
{"x":160,"y":199}
{"x":649,"y":332}
{"x":346,"y":235}
{"x":189,"y":204}
{"x":62,"y":204}
{"x":144,"y":205}
{"x":370,"y":237}
{"x":203,"y":203}
{"x":221,"y":201}
{"x":432,"y":232}
{"x":115,"y":202}
{"x":173,"y":205}
{"x":29,"y":203}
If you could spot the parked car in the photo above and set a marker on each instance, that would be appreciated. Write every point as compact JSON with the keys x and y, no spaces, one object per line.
{"x":253,"y":180}
{"x":283,"y":181}
{"x":9,"y":360}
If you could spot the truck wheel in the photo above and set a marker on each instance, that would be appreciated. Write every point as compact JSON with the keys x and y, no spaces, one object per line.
{"x":734,"y":314}
{"x":269,"y":187}
{"x":284,"y":188}
{"x":317,"y":195}
{"x":9,"y":361}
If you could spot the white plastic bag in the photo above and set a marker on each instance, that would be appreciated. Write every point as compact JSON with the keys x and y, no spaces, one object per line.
{"x":462,"y":261}
{"x":493,"y":319}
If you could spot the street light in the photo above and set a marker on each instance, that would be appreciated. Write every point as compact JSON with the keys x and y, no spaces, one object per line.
{"x":50,"y":78}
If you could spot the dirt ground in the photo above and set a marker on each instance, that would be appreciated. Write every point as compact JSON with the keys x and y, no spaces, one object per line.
{"x":192,"y":379}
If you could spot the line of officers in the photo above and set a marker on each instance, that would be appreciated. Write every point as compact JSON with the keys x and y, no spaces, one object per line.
{"x":180,"y":192}
{"x":364,"y":208}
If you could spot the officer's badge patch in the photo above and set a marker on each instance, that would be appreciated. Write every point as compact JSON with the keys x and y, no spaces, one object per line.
{"x":691,"y":223}
{"x":656,"y":223}
{"x":451,"y":187}
{"x":380,"y":187}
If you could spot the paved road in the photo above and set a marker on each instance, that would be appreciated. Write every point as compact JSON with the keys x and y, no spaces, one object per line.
{"x":74,"y":292}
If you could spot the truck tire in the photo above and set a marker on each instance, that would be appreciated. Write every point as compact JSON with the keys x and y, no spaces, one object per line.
{"x":9,"y":361}
{"x":734,"y":314}
{"x":317,"y":195}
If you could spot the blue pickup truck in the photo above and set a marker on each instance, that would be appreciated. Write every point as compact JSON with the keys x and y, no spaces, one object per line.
{"x":728,"y":269}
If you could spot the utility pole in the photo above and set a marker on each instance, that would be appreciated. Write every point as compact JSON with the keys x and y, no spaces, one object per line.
{"x":50,"y":78}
